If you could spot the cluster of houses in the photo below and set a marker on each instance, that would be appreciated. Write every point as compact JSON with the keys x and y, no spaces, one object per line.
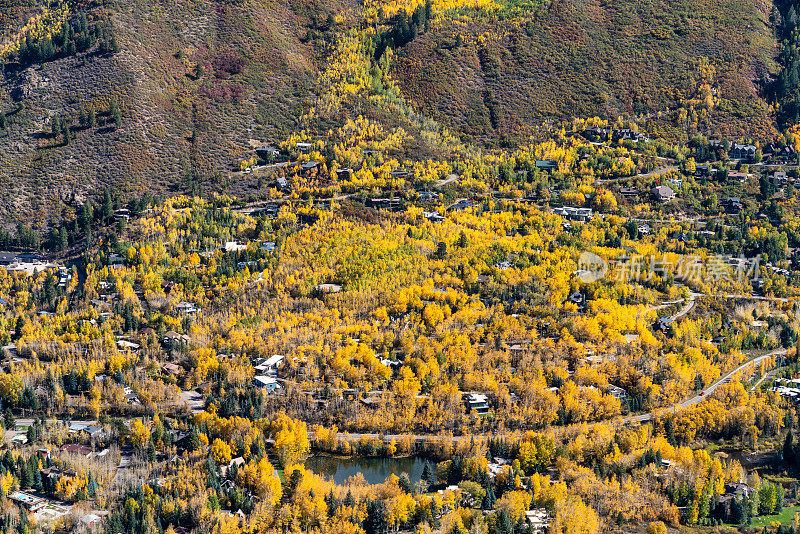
{"x":433,"y":216}
{"x":747,"y":152}
{"x":267,"y":369}
{"x":574,"y":214}
{"x":47,"y":512}
{"x":616,"y":135}
{"x":788,"y":388}
{"x":27,"y":263}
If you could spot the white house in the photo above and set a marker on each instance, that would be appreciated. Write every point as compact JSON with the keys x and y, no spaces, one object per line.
{"x":269,"y":383}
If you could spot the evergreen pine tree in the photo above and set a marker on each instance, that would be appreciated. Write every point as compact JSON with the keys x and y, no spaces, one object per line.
{"x":376,"y":520}
{"x":788,"y":448}
{"x":489,"y":498}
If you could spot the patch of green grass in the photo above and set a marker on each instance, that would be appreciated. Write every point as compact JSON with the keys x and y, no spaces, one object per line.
{"x":784,"y":518}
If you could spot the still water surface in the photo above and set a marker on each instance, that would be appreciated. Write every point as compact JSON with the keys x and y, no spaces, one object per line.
{"x":375,"y":470}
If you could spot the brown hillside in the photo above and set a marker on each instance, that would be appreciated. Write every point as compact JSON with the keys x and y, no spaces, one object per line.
{"x":194,"y":81}
{"x":587,"y":57}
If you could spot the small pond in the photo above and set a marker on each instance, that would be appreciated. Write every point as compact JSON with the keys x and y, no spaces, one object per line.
{"x":375,"y":470}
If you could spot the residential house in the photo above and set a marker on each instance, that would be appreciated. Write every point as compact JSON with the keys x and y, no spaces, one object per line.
{"x":30,"y":502}
{"x":574,"y":214}
{"x":776,"y":152}
{"x":627,"y":134}
{"x":328,"y":288}
{"x":267,"y":383}
{"x":742,"y":152}
{"x":577,"y":298}
{"x":269,"y":365}
{"x":128,"y":345}
{"x":732,"y":205}
{"x":53,"y":474}
{"x":664,"y":324}
{"x":596,"y":134}
{"x":433,"y":216}
{"x":172,"y":369}
{"x":90,"y":429}
{"x":663,"y":193}
{"x":428,"y":196}
{"x":737,"y":176}
{"x":460,"y":205}
{"x":391,"y":364}
{"x":187,"y":308}
{"x":372,"y":400}
{"x":174,"y":339}
{"x":131,"y":397}
{"x":233,"y":246}
{"x":780,"y":178}
{"x":77,"y":448}
{"x":538,"y":519}
{"x":93,"y":431}
{"x":617,"y":392}
{"x":7,"y":258}
{"x":122,"y":214}
{"x":738,"y":489}
{"x":237,"y":462}
{"x":477,"y":402}
{"x":309,"y":166}
{"x":91,"y":521}
{"x":547,"y":165}
{"x":268,"y":153}
{"x":702,"y":171}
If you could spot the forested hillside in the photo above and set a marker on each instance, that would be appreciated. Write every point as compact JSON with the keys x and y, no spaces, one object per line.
{"x":189,"y":80}
{"x":161,"y":96}
{"x":504,"y":75}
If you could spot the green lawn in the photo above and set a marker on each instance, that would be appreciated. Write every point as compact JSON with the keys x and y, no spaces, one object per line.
{"x":785,"y":517}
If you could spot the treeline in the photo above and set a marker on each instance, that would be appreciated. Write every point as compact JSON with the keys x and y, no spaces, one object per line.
{"x":786,"y":88}
{"x":404,"y":29}
{"x":91,"y":217}
{"x":75,"y":36}
{"x":63,"y":128}
{"x":706,"y":507}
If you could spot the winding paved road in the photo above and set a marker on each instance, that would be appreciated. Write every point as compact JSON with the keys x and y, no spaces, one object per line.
{"x":709,"y":390}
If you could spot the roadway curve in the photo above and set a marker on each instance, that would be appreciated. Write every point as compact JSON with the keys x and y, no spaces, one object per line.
{"x":642,"y":418}
{"x":700,"y":397}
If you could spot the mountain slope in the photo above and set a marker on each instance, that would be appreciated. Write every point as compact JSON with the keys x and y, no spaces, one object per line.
{"x":587,"y":57}
{"x":190,"y":80}
{"x":197,"y":83}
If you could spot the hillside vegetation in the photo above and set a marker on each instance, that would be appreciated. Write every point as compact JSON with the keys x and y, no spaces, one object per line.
{"x":504,"y":75}
{"x":160,"y":96}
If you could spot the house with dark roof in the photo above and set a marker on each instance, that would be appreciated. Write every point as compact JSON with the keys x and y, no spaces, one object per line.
{"x":743,"y":152}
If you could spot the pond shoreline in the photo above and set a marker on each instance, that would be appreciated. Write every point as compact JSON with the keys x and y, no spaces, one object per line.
{"x":374,"y":469}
